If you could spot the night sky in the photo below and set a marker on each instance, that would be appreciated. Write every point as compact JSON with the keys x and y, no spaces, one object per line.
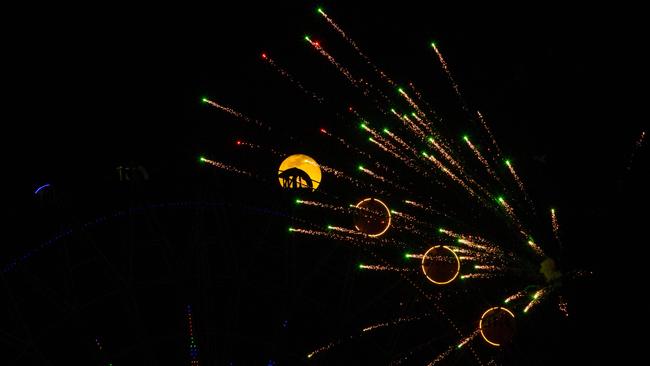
{"x":93,"y":89}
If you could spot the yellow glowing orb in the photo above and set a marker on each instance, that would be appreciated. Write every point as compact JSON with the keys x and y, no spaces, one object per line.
{"x":372,"y":217}
{"x":497,"y":325}
{"x":299,"y":171}
{"x":440,"y":265}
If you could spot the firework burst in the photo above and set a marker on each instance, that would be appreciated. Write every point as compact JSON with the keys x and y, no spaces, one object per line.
{"x":410,"y":215}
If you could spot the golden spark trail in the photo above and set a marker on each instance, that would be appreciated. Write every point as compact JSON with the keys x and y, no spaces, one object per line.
{"x":393,"y":153}
{"x":253,"y":146}
{"x":471,"y":244}
{"x":421,"y":99}
{"x":412,"y":220}
{"x":453,"y":83}
{"x":481,"y":159}
{"x":289,"y":77}
{"x":377,"y":267}
{"x":416,"y":129}
{"x":415,"y":204}
{"x":536,"y":299}
{"x":536,"y":248}
{"x":470,"y":241}
{"x":333,"y":236}
{"x":356,"y":48}
{"x":487,"y":268}
{"x":376,"y":326}
{"x":460,"y":250}
{"x":235,"y":113}
{"x":408,"y":123}
{"x":468,"y":338}
{"x":442,"y":356}
{"x":368,"y":329}
{"x":416,"y":256}
{"x":463,"y":103}
{"x":411,"y":102}
{"x":322,"y":205}
{"x":323,"y":348}
{"x":469,"y":238}
{"x":555,"y":224}
{"x":511,"y":213}
{"x":467,"y":258}
{"x":514,"y":297}
{"x":423,"y":123}
{"x":405,"y":216}
{"x":333,"y":61}
{"x":451,"y":175}
{"x":250,"y":145}
{"x":451,"y":160}
{"x":345,"y":143}
{"x":487,"y":129}
{"x":476,"y":275}
{"x":427,"y":208}
{"x":345,"y":230}
{"x":401,"y":142}
{"x":310,"y":232}
{"x":378,"y":137}
{"x":520,"y":184}
{"x":227,"y":167}
{"x":450,"y":233}
{"x":463,"y":342}
{"x":380,"y":178}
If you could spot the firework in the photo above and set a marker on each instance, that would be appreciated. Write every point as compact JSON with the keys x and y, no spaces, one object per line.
{"x":377,"y":176}
{"x":288,"y":76}
{"x":378,"y":267}
{"x":471,"y":244}
{"x":536,"y":298}
{"x":515,"y":296}
{"x":520,"y":184}
{"x":451,"y":175}
{"x":322,"y":205}
{"x":511,"y":213}
{"x":401,"y":142}
{"x":487,"y":268}
{"x":481,"y":158}
{"x":392,"y":164}
{"x":536,"y":248}
{"x":354,"y":45}
{"x":489,"y":133}
{"x":555,"y":224}
{"x":332,"y":60}
{"x":410,"y":101}
{"x":346,"y":144}
{"x":476,"y":275}
{"x":445,"y":67}
{"x":235,"y":113}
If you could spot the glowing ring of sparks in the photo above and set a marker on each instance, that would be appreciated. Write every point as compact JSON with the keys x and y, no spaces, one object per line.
{"x":424,"y":257}
{"x":480,"y":322}
{"x":387,"y":211}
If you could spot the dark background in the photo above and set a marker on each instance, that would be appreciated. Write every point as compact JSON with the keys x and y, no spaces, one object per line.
{"x":92,"y":89}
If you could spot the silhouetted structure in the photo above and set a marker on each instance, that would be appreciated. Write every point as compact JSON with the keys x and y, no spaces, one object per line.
{"x":295,"y":178}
